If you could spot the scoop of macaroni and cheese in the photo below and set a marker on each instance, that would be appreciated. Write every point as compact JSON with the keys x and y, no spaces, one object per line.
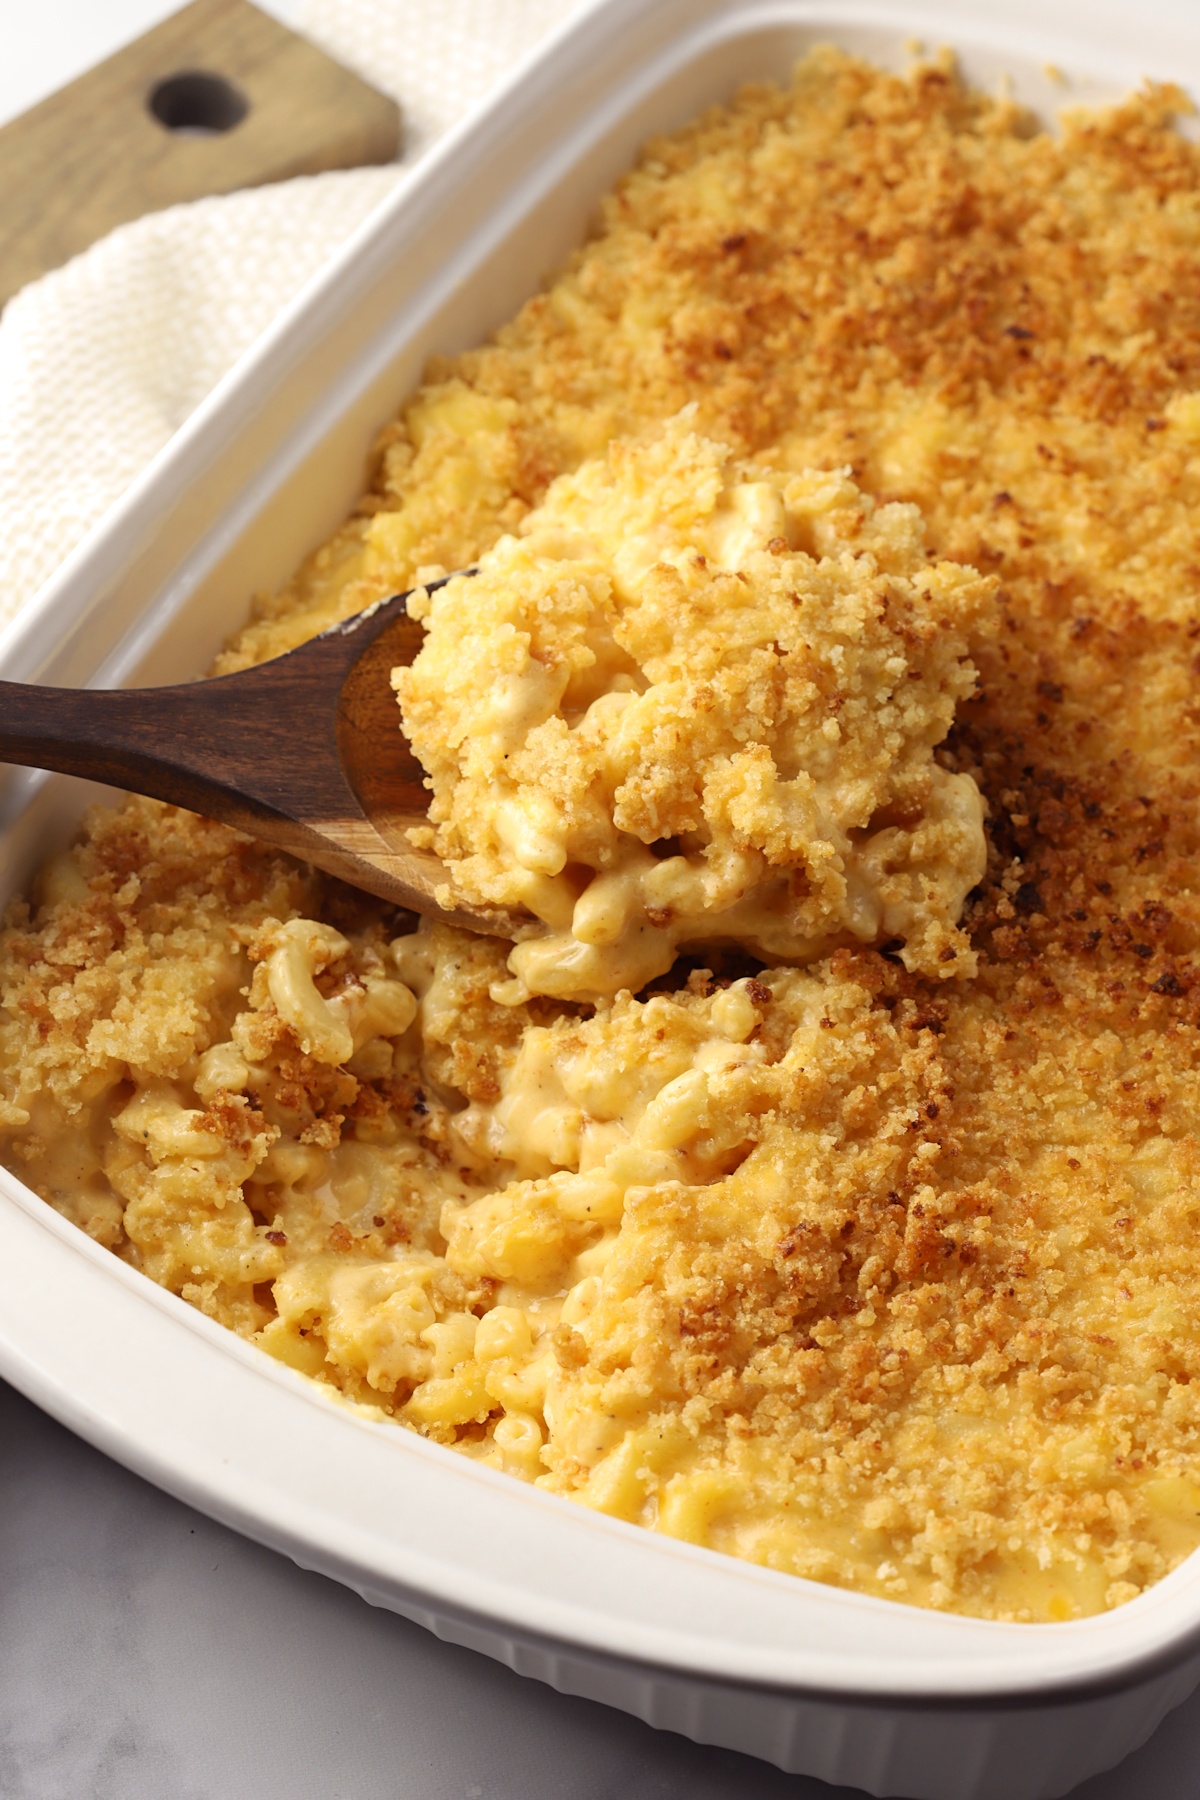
{"x":696,"y":702}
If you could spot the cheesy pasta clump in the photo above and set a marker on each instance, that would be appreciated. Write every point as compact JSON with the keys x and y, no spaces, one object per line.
{"x":695,"y":701}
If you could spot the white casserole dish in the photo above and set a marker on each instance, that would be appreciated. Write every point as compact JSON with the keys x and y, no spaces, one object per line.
{"x":860,"y":1691}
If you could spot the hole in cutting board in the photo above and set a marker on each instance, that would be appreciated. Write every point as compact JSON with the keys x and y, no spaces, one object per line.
{"x":194,"y":103}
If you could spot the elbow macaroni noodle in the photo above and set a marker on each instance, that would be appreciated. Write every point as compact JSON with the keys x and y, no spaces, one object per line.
{"x":331,"y":1030}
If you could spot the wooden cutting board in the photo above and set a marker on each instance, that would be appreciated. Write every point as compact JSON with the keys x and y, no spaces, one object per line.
{"x":217,"y":97}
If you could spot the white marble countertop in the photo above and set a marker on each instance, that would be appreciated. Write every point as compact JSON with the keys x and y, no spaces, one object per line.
{"x":149,"y":1654}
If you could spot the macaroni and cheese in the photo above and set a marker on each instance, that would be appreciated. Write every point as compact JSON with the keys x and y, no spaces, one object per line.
{"x":696,"y":702}
{"x":783,"y":1230}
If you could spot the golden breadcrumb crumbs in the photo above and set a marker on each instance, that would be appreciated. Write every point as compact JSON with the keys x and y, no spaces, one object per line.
{"x":878,"y":1278}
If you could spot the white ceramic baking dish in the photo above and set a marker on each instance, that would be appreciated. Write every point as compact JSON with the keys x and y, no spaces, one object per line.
{"x":858,"y":1691}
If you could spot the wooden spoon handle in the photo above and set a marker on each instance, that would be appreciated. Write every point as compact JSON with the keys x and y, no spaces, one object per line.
{"x":185,"y":745}
{"x":252,"y":746}
{"x":304,"y":752}
{"x":234,"y":749}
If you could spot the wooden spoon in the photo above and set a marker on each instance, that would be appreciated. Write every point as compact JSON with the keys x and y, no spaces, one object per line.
{"x":304,"y":752}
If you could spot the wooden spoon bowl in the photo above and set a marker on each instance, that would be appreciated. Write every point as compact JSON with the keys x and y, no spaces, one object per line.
{"x":304,"y":752}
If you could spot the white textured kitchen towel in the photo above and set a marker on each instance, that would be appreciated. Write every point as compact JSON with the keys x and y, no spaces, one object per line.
{"x":101,"y":361}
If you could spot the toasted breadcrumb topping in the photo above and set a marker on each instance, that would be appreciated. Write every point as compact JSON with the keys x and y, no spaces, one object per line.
{"x":881,"y":1279}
